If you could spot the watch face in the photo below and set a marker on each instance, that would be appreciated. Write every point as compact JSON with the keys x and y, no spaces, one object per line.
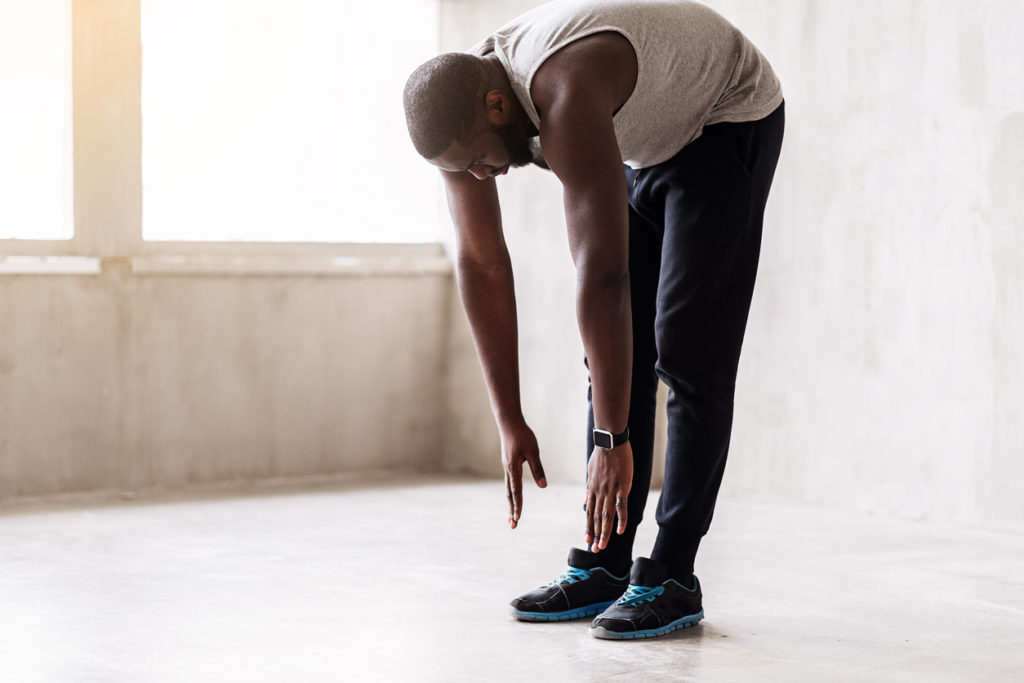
{"x":602,"y":439}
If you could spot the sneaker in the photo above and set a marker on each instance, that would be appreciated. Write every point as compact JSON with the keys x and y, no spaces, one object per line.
{"x":583,"y":590}
{"x":653,"y":605}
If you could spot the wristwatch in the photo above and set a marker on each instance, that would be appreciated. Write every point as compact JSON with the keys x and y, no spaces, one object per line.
{"x":606,"y":440}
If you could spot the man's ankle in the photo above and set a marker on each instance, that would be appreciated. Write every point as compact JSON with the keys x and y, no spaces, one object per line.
{"x":686,"y":579}
{"x":614,"y":563}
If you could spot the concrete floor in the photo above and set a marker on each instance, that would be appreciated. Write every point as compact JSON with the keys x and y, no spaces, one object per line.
{"x":410,"y":581}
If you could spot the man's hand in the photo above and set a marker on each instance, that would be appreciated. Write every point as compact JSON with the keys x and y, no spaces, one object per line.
{"x":519,"y":445}
{"x":609,"y":479}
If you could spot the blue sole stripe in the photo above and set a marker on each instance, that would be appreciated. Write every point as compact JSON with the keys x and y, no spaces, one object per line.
{"x":577,"y":613}
{"x":684,"y":622}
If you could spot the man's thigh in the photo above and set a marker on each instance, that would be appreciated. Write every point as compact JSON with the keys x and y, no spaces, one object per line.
{"x":711,"y":196}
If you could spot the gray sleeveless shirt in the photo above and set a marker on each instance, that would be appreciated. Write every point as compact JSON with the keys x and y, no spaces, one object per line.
{"x":694,"y":68}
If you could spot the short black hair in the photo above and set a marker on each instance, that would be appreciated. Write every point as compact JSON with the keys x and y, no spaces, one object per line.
{"x":441,"y":99}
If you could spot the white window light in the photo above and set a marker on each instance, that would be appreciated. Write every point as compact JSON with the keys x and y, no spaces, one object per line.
{"x":35,"y":119}
{"x":283,"y":121}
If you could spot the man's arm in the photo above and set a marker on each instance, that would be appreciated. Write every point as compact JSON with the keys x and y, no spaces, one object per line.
{"x":484,"y":273}
{"x":577,"y":98}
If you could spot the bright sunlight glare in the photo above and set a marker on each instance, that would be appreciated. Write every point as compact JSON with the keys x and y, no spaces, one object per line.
{"x":35,"y":119}
{"x":283,"y":121}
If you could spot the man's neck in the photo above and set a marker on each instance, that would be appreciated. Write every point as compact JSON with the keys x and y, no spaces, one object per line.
{"x":497,"y":79}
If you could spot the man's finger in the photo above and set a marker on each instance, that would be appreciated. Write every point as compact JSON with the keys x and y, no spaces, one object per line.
{"x":622,"y":512}
{"x":537,"y":470}
{"x":596,"y":539}
{"x":607,"y":521}
{"x":508,"y":496}
{"x":589,"y":532}
{"x":517,"y":492}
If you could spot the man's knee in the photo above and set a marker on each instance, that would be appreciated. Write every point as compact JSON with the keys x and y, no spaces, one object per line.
{"x":689,"y":378}
{"x":698,"y":359}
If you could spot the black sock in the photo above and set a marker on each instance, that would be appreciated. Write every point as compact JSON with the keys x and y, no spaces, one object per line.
{"x":617,"y":556}
{"x":616,"y":564}
{"x":685,"y":578}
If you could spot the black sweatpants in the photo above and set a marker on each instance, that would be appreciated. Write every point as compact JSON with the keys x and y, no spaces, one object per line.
{"x":694,"y":240}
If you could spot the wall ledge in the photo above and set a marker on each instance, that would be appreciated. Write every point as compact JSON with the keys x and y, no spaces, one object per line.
{"x":49,"y":265}
{"x":337,"y":266}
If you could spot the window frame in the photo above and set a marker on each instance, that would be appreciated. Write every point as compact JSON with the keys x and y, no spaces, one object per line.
{"x":106,"y":167}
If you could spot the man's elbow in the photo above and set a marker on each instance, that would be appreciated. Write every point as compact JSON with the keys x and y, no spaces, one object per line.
{"x":472,"y":264}
{"x":606,"y":272}
{"x":602,"y":288}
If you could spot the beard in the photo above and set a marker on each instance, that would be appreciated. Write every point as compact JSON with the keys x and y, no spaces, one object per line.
{"x":518,"y":145}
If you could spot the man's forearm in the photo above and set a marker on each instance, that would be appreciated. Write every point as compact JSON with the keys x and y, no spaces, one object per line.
{"x":488,"y":295}
{"x":605,"y":320}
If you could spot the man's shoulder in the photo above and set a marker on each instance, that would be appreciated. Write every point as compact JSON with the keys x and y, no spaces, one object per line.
{"x":600,"y":64}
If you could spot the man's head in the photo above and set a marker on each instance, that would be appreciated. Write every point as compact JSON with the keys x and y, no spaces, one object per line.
{"x":462,"y":117}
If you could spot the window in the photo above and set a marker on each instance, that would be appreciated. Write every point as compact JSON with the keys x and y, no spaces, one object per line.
{"x":35,"y":119}
{"x":283,"y":121}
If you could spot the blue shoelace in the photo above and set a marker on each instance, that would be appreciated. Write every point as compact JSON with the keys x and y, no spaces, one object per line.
{"x":571,"y":575}
{"x":634,"y":595}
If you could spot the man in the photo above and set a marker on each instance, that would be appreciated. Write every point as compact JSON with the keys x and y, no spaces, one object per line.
{"x":664,"y":125}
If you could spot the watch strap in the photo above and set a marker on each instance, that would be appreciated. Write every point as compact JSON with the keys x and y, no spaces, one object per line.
{"x":606,"y":440}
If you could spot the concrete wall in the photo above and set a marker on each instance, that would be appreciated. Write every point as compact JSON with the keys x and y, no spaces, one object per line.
{"x":127,"y":380}
{"x":178,"y":363}
{"x":882,"y":370}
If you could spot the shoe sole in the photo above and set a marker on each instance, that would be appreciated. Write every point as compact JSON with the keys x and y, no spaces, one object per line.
{"x":578,"y":613}
{"x":684,"y":622}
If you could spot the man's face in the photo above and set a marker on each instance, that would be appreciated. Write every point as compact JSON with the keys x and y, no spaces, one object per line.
{"x":516,"y":144}
{"x":490,"y":153}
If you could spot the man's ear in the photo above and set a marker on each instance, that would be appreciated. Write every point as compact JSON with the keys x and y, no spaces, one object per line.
{"x":498,"y":109}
